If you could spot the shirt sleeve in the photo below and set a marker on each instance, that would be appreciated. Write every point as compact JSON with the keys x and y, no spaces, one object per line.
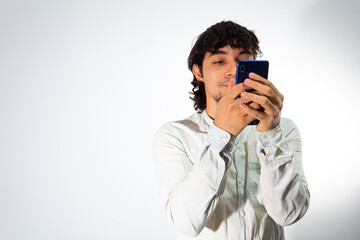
{"x":282,"y":180}
{"x":190,"y":188}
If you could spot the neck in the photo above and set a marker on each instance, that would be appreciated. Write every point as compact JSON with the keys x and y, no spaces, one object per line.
{"x":211,"y":108}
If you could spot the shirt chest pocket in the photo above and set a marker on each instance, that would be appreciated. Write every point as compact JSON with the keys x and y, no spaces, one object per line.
{"x":253,"y":180}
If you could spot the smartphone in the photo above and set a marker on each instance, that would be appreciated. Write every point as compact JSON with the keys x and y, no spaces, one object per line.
{"x":244,"y":67}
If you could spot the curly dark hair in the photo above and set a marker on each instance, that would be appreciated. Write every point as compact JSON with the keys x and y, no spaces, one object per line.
{"x":215,"y":37}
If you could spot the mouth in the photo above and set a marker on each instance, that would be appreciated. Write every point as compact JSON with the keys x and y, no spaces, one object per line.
{"x":225,"y":83}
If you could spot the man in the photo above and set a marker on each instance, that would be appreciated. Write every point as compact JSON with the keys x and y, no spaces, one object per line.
{"x":219,"y":177}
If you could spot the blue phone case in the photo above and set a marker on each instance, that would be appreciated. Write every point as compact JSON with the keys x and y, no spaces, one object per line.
{"x":244,"y":67}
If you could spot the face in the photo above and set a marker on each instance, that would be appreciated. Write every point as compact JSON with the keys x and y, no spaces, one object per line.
{"x":218,"y":69}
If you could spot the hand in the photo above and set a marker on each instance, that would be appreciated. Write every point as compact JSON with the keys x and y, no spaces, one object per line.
{"x":268,"y":97}
{"x":229,"y":116}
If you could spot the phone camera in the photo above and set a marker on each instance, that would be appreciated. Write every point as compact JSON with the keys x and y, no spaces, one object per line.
{"x":242,"y":68}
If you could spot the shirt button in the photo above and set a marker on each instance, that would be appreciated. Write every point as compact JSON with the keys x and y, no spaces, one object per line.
{"x":223,"y":138}
{"x":266,"y":162}
{"x":242,"y":213}
{"x":239,"y":181}
{"x":263,"y":136}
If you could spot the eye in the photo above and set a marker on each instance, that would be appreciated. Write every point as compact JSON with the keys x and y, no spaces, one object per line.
{"x":218,"y":62}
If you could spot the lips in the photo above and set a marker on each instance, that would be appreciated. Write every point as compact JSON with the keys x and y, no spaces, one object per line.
{"x":225,"y":82}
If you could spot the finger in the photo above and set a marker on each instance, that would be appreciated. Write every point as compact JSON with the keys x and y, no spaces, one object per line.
{"x":248,"y":119}
{"x":231,"y":84}
{"x":248,"y":102}
{"x":235,"y":91}
{"x":260,"y":87}
{"x":256,"y":77}
{"x":247,"y":88}
{"x":255,"y":105}
{"x":266,"y":90}
{"x":265,"y":81}
{"x":269,"y":108}
{"x":243,"y":100}
{"x":252,"y":112}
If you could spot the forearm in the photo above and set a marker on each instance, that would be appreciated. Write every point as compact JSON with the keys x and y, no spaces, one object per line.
{"x":191,"y":202}
{"x":190,"y":188}
{"x":282,"y":180}
{"x":285,"y":193}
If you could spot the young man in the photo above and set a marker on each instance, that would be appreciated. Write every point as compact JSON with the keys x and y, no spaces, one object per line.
{"x":219,"y":177}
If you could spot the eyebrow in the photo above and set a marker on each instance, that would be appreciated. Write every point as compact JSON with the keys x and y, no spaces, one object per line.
{"x":219,"y":52}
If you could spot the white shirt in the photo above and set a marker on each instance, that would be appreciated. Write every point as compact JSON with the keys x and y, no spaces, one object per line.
{"x":217,"y":186}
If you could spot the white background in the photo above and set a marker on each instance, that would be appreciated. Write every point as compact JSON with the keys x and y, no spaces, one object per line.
{"x":85,"y":84}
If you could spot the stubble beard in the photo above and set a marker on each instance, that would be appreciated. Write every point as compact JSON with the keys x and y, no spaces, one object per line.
{"x":216,"y":97}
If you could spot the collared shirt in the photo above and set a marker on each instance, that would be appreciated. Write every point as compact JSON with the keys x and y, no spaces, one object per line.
{"x":217,"y":186}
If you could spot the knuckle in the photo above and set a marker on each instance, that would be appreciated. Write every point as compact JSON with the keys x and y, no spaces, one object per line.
{"x":244,"y":109}
{"x":231,"y":106}
{"x":268,"y":91}
{"x":270,"y":113}
{"x":264,"y":100}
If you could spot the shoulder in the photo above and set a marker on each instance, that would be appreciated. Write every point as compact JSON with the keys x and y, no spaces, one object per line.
{"x":178,"y":129}
{"x":192,"y":123}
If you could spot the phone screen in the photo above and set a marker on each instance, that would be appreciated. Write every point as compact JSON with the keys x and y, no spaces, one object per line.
{"x":244,"y":67}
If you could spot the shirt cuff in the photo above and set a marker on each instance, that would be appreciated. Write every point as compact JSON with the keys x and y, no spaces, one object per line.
{"x":221,"y":140}
{"x":270,"y":138}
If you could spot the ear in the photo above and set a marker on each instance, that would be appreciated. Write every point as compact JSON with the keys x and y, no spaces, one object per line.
{"x":197,"y":73}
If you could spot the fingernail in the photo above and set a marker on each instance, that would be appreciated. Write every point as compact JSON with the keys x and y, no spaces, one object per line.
{"x":247,"y":81}
{"x":251,"y":75}
{"x":242,"y":105}
{"x":243,"y":94}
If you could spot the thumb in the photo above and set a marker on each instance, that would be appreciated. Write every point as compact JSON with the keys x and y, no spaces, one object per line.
{"x":231,"y":84}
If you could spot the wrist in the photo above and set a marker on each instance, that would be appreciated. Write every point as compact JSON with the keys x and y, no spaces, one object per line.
{"x":261,"y":127}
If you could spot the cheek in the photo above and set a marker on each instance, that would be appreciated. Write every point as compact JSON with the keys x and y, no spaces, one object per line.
{"x":211,"y":77}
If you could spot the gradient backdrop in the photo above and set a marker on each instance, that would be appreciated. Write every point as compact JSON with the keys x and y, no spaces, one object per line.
{"x":85,"y":84}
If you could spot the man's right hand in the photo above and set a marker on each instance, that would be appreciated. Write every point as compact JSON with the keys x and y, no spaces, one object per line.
{"x":229,"y":115}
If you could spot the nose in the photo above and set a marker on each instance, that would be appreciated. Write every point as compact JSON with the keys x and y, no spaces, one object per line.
{"x":232,"y":70}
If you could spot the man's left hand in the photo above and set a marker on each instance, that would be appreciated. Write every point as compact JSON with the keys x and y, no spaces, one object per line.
{"x":268,"y":97}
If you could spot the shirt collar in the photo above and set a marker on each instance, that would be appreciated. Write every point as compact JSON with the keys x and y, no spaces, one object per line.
{"x":206,"y":117}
